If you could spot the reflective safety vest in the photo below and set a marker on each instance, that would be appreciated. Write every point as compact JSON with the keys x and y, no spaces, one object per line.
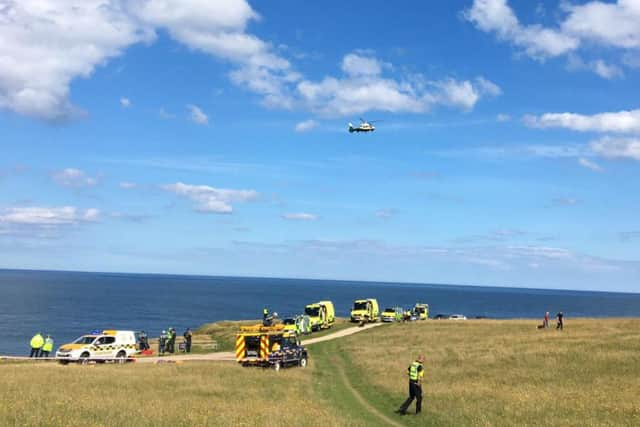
{"x":37,"y":341}
{"x":265,"y":312}
{"x":414,"y":373}
{"x":48,"y":345}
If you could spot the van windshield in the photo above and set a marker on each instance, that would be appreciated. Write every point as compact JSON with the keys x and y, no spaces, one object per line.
{"x":392,"y":310}
{"x":87,"y":339}
{"x":360,"y":305}
{"x":312,"y":311}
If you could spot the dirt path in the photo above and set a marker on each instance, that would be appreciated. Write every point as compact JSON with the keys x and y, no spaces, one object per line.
{"x":366,"y":405}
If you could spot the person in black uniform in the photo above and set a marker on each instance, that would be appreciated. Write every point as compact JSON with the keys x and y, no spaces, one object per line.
{"x":560,"y":324}
{"x":188,"y":335}
{"x":416,"y":373}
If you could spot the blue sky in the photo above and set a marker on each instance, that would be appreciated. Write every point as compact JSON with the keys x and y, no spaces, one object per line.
{"x":211,"y":138}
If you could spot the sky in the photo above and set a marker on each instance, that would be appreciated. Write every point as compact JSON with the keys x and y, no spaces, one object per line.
{"x":201,"y":137}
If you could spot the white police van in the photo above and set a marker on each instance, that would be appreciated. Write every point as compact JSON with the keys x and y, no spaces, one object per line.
{"x":100,"y":346}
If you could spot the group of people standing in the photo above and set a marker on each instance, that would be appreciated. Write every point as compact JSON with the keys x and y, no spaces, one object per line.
{"x":559,"y":321}
{"x":41,"y":346}
{"x":167,"y":341}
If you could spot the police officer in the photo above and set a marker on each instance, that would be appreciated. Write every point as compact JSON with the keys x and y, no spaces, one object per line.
{"x":37,"y":341}
{"x":188,"y":336}
{"x":416,"y":373}
{"x":47,"y":347}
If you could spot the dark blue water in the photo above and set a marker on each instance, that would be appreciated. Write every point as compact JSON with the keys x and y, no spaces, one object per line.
{"x":68,"y":304}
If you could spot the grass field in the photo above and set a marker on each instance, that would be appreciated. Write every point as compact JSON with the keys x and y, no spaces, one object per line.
{"x":479,"y":372}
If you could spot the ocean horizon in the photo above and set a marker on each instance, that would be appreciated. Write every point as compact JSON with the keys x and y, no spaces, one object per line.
{"x":67,"y":304}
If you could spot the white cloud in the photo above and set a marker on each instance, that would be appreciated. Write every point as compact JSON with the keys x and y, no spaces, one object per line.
{"x":306,"y":125}
{"x":197,"y":115}
{"x":300,"y":216}
{"x":537,"y":41}
{"x":125,"y":102}
{"x":609,"y":24}
{"x":125,"y":185}
{"x":565,"y":201}
{"x":357,"y":65}
{"x":364,"y":88}
{"x":502,"y":117}
{"x":71,"y":177}
{"x":618,"y":122}
{"x":44,"y":45}
{"x":598,"y":66}
{"x":617,"y":147}
{"x":209,"y":199}
{"x":589,"y":164}
{"x":613,"y":25}
{"x":47,"y":216}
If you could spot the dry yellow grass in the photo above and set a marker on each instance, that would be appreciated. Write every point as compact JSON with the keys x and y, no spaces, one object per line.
{"x":190,"y":394}
{"x":479,"y":372}
{"x":486,"y":372}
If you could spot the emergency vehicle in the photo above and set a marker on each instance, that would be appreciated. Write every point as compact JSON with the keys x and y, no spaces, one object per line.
{"x":99,"y":346}
{"x":269,"y":346}
{"x":365,"y":310}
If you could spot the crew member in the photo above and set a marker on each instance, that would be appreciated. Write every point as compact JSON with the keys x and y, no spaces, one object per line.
{"x":188,"y":335}
{"x":265,"y":317}
{"x":171,"y":341}
{"x":144,"y":341}
{"x":416,"y":373}
{"x":47,"y":347}
{"x":162,"y":341}
{"x":36,"y":345}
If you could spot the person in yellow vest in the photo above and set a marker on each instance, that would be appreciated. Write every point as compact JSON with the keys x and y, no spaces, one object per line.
{"x":47,"y":348}
{"x":416,"y":373}
{"x":36,"y":345}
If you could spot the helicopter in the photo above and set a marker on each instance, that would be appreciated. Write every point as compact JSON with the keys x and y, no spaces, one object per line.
{"x":364,"y":126}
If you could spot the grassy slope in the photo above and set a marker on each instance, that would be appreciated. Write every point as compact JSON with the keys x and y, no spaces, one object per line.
{"x":502,"y":372}
{"x":190,"y":394}
{"x":478,"y":373}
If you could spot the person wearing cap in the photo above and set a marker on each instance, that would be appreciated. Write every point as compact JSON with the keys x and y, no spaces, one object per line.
{"x":416,"y":373}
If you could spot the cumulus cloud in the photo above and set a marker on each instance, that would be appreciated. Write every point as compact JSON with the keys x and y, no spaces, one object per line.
{"x":589,"y":164}
{"x":209,"y":199}
{"x":74,"y":178}
{"x":53,"y":43}
{"x":306,"y":125}
{"x":300,"y":216}
{"x":613,"y":25}
{"x":598,"y":66}
{"x":618,"y":122}
{"x":125,"y":102}
{"x":47,"y":44}
{"x":363,"y":87}
{"x":617,"y":147}
{"x":536,"y":41}
{"x":197,"y":115}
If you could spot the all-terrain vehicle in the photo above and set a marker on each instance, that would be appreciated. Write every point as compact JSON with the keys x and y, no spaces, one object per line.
{"x":269,"y":346}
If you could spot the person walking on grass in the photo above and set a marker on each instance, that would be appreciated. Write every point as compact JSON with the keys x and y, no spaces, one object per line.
{"x":47,"y":348}
{"x":37,"y":341}
{"x":560,"y":324}
{"x":416,"y":373}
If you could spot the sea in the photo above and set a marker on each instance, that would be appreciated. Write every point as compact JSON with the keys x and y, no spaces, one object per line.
{"x":69,"y":304}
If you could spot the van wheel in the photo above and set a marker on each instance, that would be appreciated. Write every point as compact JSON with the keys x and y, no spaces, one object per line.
{"x":121,"y":357}
{"x":303,"y":362}
{"x":84,"y":358}
{"x":64,"y":362}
